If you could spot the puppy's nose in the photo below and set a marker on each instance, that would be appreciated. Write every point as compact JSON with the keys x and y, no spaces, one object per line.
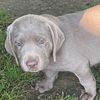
{"x":31,"y":63}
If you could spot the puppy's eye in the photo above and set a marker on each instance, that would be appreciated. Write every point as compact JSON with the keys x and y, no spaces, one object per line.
{"x":41,"y":41}
{"x":18,"y":44}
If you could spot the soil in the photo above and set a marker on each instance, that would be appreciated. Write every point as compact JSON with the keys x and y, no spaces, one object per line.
{"x":54,"y":7}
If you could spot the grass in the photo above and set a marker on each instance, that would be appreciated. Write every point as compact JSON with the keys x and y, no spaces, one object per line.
{"x":12,"y":79}
{"x":17,"y":85}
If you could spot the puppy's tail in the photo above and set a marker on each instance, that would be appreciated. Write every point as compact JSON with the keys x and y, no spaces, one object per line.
{"x":91,"y":20}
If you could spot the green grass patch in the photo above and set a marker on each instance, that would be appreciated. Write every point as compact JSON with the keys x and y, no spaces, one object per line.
{"x":13,"y":81}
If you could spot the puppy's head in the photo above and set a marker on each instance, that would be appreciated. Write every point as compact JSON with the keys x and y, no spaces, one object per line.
{"x":31,"y":39}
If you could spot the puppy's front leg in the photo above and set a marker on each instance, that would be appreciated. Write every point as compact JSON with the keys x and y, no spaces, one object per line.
{"x":47,"y":83}
{"x":87,"y":79}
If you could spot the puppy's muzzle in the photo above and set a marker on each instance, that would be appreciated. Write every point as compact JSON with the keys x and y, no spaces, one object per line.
{"x":32,"y":63}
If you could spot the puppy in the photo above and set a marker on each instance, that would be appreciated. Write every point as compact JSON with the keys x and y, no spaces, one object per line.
{"x":52,"y":44}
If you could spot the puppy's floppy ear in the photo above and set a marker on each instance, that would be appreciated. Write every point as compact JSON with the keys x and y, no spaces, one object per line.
{"x":9,"y":45}
{"x":57,"y":38}
{"x":56,"y":34}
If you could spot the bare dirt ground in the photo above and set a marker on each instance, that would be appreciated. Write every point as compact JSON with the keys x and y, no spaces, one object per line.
{"x":54,"y":7}
{"x":67,"y":81}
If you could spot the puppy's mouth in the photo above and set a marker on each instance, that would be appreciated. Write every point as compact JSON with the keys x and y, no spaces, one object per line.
{"x":31,"y":69}
{"x":34,"y":65}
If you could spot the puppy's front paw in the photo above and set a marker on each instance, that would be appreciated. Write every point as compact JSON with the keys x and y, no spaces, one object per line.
{"x":43,"y":86}
{"x":85,"y":96}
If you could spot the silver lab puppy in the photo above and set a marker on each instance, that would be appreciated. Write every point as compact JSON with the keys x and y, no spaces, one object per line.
{"x":52,"y":44}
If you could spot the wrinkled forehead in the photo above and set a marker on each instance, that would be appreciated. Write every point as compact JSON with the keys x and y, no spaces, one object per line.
{"x":30,"y":29}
